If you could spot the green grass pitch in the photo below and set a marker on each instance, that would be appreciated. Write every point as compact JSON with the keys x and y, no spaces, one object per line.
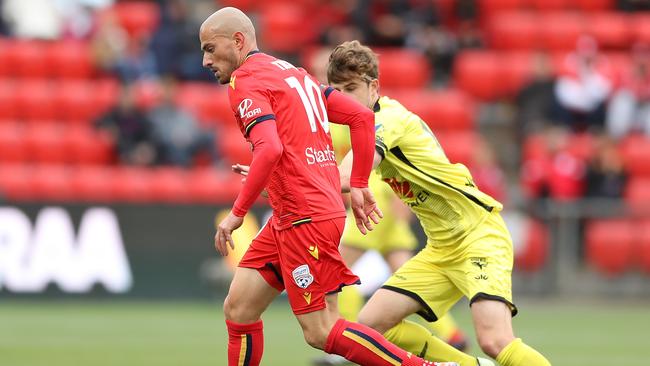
{"x":71,"y":333}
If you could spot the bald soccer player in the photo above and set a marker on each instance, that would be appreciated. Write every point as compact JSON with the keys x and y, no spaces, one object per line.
{"x":284,"y":113}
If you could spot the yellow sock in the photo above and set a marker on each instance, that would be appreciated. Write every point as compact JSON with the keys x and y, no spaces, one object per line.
{"x":416,"y":339}
{"x":350,"y":303}
{"x":517,"y":353}
{"x":444,"y":328}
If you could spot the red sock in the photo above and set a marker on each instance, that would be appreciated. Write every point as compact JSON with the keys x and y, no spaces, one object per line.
{"x":245,"y":343}
{"x":366,"y":347}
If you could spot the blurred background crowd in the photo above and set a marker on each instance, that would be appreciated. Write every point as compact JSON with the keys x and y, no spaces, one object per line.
{"x":547,"y":102}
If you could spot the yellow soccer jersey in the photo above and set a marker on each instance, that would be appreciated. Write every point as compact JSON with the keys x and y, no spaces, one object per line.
{"x":442,"y":195}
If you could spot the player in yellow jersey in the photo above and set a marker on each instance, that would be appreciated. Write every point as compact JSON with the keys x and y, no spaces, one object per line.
{"x":392,"y":238}
{"x":469,"y":250}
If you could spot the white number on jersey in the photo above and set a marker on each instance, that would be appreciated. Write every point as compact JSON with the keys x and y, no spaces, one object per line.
{"x":308,"y":94}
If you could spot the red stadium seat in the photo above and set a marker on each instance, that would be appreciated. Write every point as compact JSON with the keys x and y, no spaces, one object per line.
{"x":441,"y":110}
{"x":12,"y":143}
{"x":233,"y":147}
{"x":643,"y":246}
{"x":489,"y":7}
{"x":44,"y":144}
{"x":131,"y":184}
{"x":516,"y":71}
{"x":635,"y":151}
{"x":105,"y":93}
{"x":637,"y":194}
{"x":92,"y":184}
{"x":7,"y":99}
{"x":560,"y":31}
{"x":16,"y":182}
{"x":459,"y":146}
{"x":285,"y":27}
{"x":477,"y":73}
{"x":75,"y":101}
{"x":52,"y":183}
{"x":609,"y":245}
{"x":215,"y":108}
{"x":70,"y":59}
{"x":401,"y":68}
{"x":207,"y":185}
{"x":34,"y":100}
{"x":550,"y":5}
{"x":532,"y":257}
{"x":594,"y":5}
{"x":515,"y":30}
{"x":611,"y":30}
{"x":86,"y":146}
{"x":25,"y":59}
{"x":5,"y":70}
{"x":169,"y":185}
{"x":138,"y":18}
{"x":641,"y":27}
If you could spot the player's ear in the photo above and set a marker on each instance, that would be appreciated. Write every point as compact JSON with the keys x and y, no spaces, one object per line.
{"x":374,"y":85}
{"x":238,"y":39}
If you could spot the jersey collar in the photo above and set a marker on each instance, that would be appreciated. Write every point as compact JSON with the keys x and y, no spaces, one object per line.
{"x":376,"y":108}
{"x":251,"y":53}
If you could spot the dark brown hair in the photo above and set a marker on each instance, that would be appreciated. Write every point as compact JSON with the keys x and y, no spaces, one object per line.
{"x":351,"y":60}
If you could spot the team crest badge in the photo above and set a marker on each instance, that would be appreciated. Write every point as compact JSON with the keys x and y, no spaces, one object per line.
{"x":302,"y":277}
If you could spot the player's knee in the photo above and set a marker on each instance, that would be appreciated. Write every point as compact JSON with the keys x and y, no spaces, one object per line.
{"x":378,"y":323}
{"x":316,"y":337}
{"x":238,"y":312}
{"x":492,"y":344}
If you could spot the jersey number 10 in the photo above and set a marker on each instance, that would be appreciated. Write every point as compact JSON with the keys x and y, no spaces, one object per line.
{"x":308,"y":94}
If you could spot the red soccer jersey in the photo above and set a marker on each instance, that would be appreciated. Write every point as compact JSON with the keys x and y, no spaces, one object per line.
{"x":304,"y":185}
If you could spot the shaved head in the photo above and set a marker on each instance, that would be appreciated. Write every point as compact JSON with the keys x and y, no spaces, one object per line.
{"x":227,"y":36}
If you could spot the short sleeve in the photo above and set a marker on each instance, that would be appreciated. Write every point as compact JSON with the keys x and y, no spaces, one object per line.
{"x":250,"y":101}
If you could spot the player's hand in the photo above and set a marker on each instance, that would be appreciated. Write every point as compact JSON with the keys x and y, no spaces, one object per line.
{"x":241,"y":170}
{"x":224,"y":233}
{"x":364,"y":208}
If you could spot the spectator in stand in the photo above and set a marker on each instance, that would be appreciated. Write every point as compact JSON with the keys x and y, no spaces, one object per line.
{"x":176,"y":133}
{"x":173,"y":44}
{"x":535,"y":100}
{"x":109,"y":42}
{"x":629,"y":109}
{"x":583,"y":87}
{"x":605,"y":176}
{"x":633,"y":5}
{"x":79,"y":17}
{"x":130,"y":129}
{"x":32,"y":19}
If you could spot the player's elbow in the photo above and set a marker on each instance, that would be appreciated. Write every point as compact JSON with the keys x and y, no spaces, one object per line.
{"x":367,"y":118}
{"x":345,"y":182}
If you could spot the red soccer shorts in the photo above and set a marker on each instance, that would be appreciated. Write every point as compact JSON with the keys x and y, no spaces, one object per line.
{"x":304,"y":260}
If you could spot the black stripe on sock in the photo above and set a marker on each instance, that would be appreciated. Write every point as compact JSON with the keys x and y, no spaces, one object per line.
{"x":249,"y":349}
{"x":374,"y":342}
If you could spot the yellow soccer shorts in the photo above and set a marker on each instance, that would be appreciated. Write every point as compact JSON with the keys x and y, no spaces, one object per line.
{"x":479,"y":267}
{"x":389,"y":235}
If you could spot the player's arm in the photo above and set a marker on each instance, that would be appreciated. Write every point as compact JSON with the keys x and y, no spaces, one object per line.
{"x":344,"y":110}
{"x":345,"y":169}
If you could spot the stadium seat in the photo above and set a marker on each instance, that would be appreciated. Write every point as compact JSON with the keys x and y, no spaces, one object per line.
{"x":477,"y":73}
{"x":92,"y":183}
{"x":7,"y":99}
{"x":458,"y":145}
{"x":216,"y":109}
{"x":105,"y":94}
{"x":16,"y":182}
{"x":138,"y":18}
{"x":635,"y":151}
{"x":52,"y":183}
{"x":402,"y":68}
{"x":643,"y":246}
{"x":489,"y":7}
{"x":75,"y":101}
{"x":169,"y":185}
{"x":641,"y":28}
{"x":24,"y":58}
{"x":285,"y":27}
{"x":130,"y":184}
{"x":594,"y":5}
{"x":609,"y":245}
{"x":441,"y":110}
{"x":70,"y":60}
{"x":207,"y":185}
{"x":550,"y":5}
{"x":637,"y":194}
{"x":33,"y":100}
{"x":560,"y":31}
{"x":44,"y":144}
{"x":233,"y":147}
{"x":611,"y":30}
{"x":532,"y":257}
{"x":12,"y":146}
{"x":516,"y":71}
{"x":85,"y":146}
{"x":5,"y":70}
{"x":514,"y":30}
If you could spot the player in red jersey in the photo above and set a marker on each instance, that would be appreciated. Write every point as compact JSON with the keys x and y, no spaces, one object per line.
{"x":283,"y":113}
